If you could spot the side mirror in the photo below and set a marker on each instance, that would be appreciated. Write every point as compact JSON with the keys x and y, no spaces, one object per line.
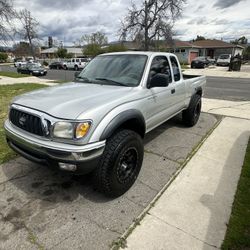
{"x":159,"y":80}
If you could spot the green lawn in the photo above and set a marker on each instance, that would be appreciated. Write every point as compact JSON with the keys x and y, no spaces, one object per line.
{"x":7,"y":92}
{"x":238,"y":232}
{"x":12,"y":74}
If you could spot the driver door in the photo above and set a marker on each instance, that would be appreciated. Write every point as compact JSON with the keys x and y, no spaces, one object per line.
{"x":160,"y":104}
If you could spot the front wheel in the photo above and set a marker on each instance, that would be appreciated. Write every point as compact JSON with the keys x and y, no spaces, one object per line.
{"x":191,"y":115}
{"x":120,"y":164}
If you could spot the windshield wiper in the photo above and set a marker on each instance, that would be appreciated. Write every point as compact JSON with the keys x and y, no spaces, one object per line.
{"x":84,"y":79}
{"x":112,"y":81}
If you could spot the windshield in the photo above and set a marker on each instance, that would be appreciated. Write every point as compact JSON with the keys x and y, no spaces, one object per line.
{"x":35,"y":68}
{"x":123,"y":70}
{"x":224,"y":56}
{"x":200,"y":58}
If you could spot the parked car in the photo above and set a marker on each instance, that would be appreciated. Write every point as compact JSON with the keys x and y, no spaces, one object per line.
{"x":200,"y":62}
{"x":212,"y":61}
{"x":34,"y":63}
{"x":76,"y":63}
{"x":32,"y":69}
{"x":98,"y":122}
{"x":19,"y":63}
{"x":56,"y":65}
{"x":223,"y":60}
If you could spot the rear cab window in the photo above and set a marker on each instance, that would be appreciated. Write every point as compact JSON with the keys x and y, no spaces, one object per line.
{"x":176,"y":69}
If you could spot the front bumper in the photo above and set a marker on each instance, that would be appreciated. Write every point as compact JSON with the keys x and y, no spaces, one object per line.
{"x":45,"y":151}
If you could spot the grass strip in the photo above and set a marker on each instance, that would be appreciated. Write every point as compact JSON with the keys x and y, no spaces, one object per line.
{"x":238,"y":230}
{"x":7,"y":92}
{"x":12,"y":74}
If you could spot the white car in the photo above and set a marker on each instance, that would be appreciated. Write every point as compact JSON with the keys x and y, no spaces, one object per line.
{"x":19,"y":63}
{"x":76,"y":63}
{"x":223,"y":60}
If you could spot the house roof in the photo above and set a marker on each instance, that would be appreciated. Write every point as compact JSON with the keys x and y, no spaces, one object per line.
{"x":184,"y":44}
{"x":181,"y":44}
{"x":208,"y":43}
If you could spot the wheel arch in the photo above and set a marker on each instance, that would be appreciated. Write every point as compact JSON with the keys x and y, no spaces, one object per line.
{"x":198,"y":91}
{"x":130,"y":119}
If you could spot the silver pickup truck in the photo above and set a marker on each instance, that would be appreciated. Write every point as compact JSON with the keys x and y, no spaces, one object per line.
{"x":96,"y":124}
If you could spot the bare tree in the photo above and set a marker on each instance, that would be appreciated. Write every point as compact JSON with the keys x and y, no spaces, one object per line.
{"x":29,"y":28}
{"x":154,"y":19}
{"x":97,"y":38}
{"x":7,"y":14}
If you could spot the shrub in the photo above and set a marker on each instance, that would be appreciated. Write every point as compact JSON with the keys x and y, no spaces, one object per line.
{"x":3,"y":57}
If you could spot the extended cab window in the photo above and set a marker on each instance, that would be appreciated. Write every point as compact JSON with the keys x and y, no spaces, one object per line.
{"x":176,"y":69}
{"x":160,"y":64}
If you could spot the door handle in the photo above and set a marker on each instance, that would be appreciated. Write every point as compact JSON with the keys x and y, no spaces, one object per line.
{"x":172,"y":91}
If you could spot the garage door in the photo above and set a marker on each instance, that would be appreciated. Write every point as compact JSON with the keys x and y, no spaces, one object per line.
{"x":192,"y":55}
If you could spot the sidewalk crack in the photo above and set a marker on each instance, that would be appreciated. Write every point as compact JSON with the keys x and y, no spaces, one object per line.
{"x":183,"y":231}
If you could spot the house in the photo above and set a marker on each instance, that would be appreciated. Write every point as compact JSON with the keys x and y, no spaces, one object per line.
{"x":214,"y":48}
{"x":51,"y":52}
{"x":185,"y":51}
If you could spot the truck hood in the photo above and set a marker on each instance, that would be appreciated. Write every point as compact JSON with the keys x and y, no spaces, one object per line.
{"x":68,"y":101}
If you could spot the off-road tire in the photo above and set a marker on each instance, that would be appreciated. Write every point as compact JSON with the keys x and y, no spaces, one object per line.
{"x":107,"y":178}
{"x":191,"y":115}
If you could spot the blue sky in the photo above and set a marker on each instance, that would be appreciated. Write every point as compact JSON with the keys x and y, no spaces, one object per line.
{"x":68,"y":20}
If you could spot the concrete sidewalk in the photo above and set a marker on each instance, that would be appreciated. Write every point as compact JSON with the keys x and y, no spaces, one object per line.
{"x":193,"y":212}
{"x":4,"y":80}
{"x":227,"y":108}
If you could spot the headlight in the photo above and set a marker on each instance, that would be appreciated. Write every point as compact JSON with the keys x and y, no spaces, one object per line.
{"x":68,"y":130}
{"x":82,"y":129}
{"x":63,"y":130}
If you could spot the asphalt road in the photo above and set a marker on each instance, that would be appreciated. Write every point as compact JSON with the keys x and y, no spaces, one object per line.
{"x":233,"y":89}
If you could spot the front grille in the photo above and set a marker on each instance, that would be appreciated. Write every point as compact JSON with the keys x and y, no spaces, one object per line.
{"x":27,"y":122}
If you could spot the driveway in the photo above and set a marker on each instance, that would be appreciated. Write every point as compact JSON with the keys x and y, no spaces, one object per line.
{"x":41,"y":208}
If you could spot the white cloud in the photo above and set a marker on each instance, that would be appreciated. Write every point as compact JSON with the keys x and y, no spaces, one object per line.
{"x":69,"y":20}
{"x":207,"y":20}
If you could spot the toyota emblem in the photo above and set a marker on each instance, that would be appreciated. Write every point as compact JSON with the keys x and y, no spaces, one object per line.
{"x":22,"y":120}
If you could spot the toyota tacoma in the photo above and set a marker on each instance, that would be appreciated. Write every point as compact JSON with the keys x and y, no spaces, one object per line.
{"x":97,"y":123}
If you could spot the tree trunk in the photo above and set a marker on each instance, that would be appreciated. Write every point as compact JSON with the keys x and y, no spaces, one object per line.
{"x":146,"y":46}
{"x":31,"y":48}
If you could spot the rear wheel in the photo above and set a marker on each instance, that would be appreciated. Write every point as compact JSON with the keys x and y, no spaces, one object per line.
{"x":120,"y":164}
{"x":191,"y":115}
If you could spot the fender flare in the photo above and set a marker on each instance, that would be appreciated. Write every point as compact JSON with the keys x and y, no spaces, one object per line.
{"x":121,"y":119}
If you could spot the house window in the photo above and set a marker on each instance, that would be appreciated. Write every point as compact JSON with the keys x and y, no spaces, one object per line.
{"x":177,"y":51}
{"x":183,"y":50}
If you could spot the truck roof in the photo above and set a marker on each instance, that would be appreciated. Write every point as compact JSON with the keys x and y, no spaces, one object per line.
{"x":147,"y":53}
